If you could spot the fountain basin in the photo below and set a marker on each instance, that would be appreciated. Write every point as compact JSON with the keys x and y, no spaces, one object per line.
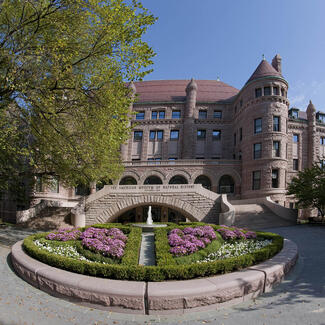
{"x":148,"y":228}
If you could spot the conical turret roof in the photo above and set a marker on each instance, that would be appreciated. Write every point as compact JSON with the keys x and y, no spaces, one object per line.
{"x":264,"y":69}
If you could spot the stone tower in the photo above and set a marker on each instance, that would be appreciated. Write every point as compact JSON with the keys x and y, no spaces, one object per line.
{"x":311,"y":117}
{"x":260,"y":115}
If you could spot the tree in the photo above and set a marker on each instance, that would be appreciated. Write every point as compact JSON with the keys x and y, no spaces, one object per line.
{"x":64,"y":70}
{"x":309,"y":188}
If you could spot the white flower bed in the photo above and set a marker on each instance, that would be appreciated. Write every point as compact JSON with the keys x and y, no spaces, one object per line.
{"x":64,"y":250}
{"x":234,"y":249}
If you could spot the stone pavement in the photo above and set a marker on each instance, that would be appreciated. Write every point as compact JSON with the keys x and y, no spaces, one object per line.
{"x":300,"y":299}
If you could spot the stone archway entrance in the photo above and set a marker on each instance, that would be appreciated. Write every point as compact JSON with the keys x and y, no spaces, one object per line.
{"x":159,"y":214}
{"x":226,"y":185}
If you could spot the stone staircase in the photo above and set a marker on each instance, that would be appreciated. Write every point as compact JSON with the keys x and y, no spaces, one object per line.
{"x":50,"y":218}
{"x":257,"y":217}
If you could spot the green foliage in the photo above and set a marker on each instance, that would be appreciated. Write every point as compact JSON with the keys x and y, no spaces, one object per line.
{"x":64,"y":67}
{"x":166,"y":268}
{"x":309,"y":188}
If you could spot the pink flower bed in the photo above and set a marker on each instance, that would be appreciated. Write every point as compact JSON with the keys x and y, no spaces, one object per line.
{"x":189,"y":240}
{"x":64,"y":234}
{"x":233,"y":233}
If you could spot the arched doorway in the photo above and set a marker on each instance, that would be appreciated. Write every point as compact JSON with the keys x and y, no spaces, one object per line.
{"x":178,"y":179}
{"x":204,"y":181}
{"x":153,"y":180}
{"x":226,"y":185}
{"x":128,"y":180}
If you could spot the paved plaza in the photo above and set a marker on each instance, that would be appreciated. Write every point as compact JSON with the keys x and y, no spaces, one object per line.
{"x":300,"y":299}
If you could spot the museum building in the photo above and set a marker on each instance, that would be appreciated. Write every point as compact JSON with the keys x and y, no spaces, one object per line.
{"x":245,"y":143}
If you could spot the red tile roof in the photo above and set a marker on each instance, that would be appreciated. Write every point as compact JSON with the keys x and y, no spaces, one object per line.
{"x":264,"y":69}
{"x":175,"y":91}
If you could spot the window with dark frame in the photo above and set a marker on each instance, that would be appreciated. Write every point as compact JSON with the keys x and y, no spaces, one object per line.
{"x":203,"y":114}
{"x":156,"y":135}
{"x":240,"y":134}
{"x":276,"y":123}
{"x":276,"y":91}
{"x":201,"y":134}
{"x":217,"y":114}
{"x":282,"y":92}
{"x":275,"y":178}
{"x":257,"y":150}
{"x":137,"y":135}
{"x":140,"y":115}
{"x":322,"y":141}
{"x":160,"y":135}
{"x":152,"y":135}
{"x":256,"y":180}
{"x":235,"y":139}
{"x":258,"y":92}
{"x":257,"y":125}
{"x":154,"y":115}
{"x":295,"y":138}
{"x":295,"y":164}
{"x":174,"y":134}
{"x":161,"y":115}
{"x":267,"y":91}
{"x":216,"y":135}
{"x":176,"y":114}
{"x":276,"y":148}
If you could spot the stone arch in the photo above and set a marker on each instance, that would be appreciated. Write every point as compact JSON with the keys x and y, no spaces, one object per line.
{"x":206,"y":172}
{"x":130,"y":173}
{"x":128,"y":180}
{"x":226,"y":184}
{"x":231,"y":172}
{"x":178,"y":179}
{"x":116,"y":209}
{"x":204,"y":180}
{"x":153,"y":180}
{"x":180,"y":172}
{"x":153,"y":172}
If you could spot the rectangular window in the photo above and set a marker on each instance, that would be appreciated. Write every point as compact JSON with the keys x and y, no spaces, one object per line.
{"x":295,"y":138}
{"x":160,"y":135}
{"x":257,"y":125}
{"x":321,"y":118}
{"x":258,"y":92}
{"x":161,"y":115}
{"x":137,"y":135}
{"x":174,"y":134}
{"x":140,"y":116}
{"x":275,"y":90}
{"x":154,"y":115}
{"x":216,"y":135}
{"x":276,"y":148}
{"x":176,"y":114}
{"x":294,"y":114}
{"x":256,"y":180}
{"x":217,"y":114}
{"x":203,"y":114}
{"x":152,"y":135}
{"x":276,"y":123}
{"x":201,"y":134}
{"x":235,"y":139}
{"x":322,"y":141}
{"x":282,"y":92}
{"x":241,"y":103}
{"x":172,"y":158}
{"x":295,"y":164}
{"x":257,"y":150}
{"x":275,"y":178}
{"x":267,"y":91}
{"x":240,"y":134}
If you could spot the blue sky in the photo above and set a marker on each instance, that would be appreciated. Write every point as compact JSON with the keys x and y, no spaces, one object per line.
{"x":206,"y":39}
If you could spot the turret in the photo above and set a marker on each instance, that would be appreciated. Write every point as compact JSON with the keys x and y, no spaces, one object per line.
{"x":125,"y":146}
{"x":188,"y":128}
{"x":311,"y":117}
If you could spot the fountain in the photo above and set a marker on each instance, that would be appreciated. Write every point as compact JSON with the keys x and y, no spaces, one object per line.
{"x":149,"y":226}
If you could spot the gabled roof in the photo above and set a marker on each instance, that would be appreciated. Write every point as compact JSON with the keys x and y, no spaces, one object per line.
{"x":264,"y":69}
{"x":175,"y":91}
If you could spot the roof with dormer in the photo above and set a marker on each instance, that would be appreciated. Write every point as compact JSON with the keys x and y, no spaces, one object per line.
{"x":263,"y":70}
{"x":175,"y":91}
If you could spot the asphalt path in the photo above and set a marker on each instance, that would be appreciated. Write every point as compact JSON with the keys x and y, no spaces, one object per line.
{"x":299,"y":299}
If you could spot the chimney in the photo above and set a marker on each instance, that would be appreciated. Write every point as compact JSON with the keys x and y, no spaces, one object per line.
{"x":276,"y":63}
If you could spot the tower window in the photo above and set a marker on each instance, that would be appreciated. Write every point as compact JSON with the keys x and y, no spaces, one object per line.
{"x":216,"y":135}
{"x":257,"y":125}
{"x":267,"y":91}
{"x":203,"y":114}
{"x":276,"y":148}
{"x":275,"y":90}
{"x":256,"y":180}
{"x":275,"y":178}
{"x":295,"y":138}
{"x":258,"y":92}
{"x":276,"y":123}
{"x":240,"y":134}
{"x":257,"y":150}
{"x":295,"y":164}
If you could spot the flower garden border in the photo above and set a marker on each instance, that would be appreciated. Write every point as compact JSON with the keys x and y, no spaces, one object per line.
{"x":156,"y":297}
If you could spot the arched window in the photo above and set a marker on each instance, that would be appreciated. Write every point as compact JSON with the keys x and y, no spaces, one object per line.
{"x":128,"y":180}
{"x":178,"y":179}
{"x":101,"y":184}
{"x":204,"y":180}
{"x":153,"y":180}
{"x":226,"y":184}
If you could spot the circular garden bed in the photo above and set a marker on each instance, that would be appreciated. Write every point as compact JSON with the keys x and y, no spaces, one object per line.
{"x":185,"y":251}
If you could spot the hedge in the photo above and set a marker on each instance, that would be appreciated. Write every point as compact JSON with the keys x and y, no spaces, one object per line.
{"x":166,"y":268}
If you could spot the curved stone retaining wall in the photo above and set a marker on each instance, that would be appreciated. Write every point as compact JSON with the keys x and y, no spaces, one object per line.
{"x":156,"y":297}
